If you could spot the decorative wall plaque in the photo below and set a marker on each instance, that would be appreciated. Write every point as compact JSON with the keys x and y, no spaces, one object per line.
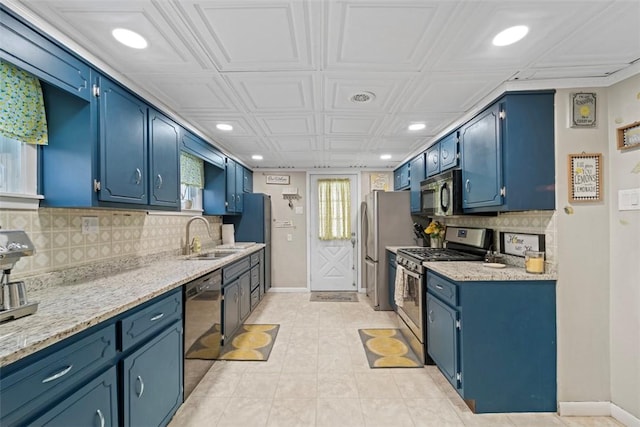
{"x":583,"y":110}
{"x":585,"y":177}
{"x":278,"y":179}
{"x":517,"y":243}
{"x":629,"y":136}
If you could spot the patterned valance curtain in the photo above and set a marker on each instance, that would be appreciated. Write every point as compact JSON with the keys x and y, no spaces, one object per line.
{"x":22,"y":114}
{"x":191,"y":170}
{"x":334,"y":204}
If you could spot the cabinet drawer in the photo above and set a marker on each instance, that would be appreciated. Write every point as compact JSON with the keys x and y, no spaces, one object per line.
{"x":94,"y":404}
{"x":255,"y":277}
{"x":442,"y":288}
{"x":255,"y":259}
{"x":255,"y":297}
{"x":234,"y":270}
{"x":55,"y":374}
{"x":151,"y":319}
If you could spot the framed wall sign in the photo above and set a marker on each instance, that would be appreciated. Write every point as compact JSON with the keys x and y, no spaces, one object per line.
{"x":629,"y":136}
{"x":583,"y":110}
{"x":278,"y":179}
{"x":517,"y":243}
{"x":585,"y":177}
{"x":379,"y":181}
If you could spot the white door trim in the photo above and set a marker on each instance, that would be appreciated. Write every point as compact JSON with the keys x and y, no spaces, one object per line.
{"x":356,"y":251}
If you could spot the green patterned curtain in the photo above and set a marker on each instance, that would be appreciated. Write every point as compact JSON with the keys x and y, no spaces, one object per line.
{"x":191,"y":170}
{"x":22,"y":114}
{"x":334,"y":204}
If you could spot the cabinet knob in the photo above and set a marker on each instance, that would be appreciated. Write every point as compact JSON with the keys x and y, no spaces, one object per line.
{"x":445,"y":154}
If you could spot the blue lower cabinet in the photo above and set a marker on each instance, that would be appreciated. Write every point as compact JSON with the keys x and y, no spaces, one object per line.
{"x":95,"y":404}
{"x":152,"y":380}
{"x":495,"y":342}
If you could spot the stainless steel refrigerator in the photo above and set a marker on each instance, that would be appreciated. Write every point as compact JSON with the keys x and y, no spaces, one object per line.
{"x":254,"y":225}
{"x":385,"y":221}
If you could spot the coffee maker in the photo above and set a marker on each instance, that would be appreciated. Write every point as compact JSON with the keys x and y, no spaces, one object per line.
{"x":14,"y":244}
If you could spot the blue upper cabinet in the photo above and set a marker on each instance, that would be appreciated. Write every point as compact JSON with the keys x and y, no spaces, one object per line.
{"x":200,"y":148}
{"x":449,"y":151}
{"x":508,"y":155}
{"x":248,"y":180}
{"x":433,"y":160}
{"x":164,"y":139}
{"x":29,"y":50}
{"x":417,"y":174}
{"x":123,"y":145}
{"x":230,"y":185}
{"x":401,"y":177}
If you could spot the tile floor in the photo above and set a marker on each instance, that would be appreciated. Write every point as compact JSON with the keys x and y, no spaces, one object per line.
{"x":323,"y":379}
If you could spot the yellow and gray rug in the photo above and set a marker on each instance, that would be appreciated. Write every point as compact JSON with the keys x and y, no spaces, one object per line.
{"x":333,"y":297}
{"x":387,"y":348}
{"x":252,"y":342}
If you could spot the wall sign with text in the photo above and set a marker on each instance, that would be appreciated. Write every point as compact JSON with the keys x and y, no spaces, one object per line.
{"x":583,"y":110}
{"x":517,"y":243}
{"x":585,"y":177}
{"x":278,"y":179}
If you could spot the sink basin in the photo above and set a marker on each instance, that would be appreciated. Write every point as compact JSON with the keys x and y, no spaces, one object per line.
{"x":212,"y":255}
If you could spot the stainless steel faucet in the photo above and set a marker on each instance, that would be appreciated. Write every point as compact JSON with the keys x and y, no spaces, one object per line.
{"x":188,"y":245}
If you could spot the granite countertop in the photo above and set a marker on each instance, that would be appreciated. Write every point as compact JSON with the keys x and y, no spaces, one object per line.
{"x":466,"y":271}
{"x":65,"y":310}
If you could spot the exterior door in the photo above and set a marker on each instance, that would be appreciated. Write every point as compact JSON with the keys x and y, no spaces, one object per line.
{"x":332,"y":262}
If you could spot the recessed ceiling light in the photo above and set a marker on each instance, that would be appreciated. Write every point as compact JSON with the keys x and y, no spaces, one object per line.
{"x":224,"y":126}
{"x":256,"y":157}
{"x":510,"y":35}
{"x":129,"y":38}
{"x":417,"y":126}
{"x":363,"y":97}
{"x":385,"y":156}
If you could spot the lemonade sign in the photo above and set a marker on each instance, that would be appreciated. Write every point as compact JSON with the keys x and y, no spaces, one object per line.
{"x":585,"y":177}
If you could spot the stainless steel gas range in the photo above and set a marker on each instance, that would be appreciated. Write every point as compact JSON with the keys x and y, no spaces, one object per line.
{"x":461,"y":244}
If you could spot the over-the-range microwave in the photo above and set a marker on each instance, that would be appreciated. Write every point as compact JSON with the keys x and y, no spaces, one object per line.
{"x":441,"y":195}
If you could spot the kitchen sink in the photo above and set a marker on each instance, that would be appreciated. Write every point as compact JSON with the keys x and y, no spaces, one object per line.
{"x":212,"y":255}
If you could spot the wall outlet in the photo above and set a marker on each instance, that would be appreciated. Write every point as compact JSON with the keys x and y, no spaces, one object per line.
{"x":89,"y":225}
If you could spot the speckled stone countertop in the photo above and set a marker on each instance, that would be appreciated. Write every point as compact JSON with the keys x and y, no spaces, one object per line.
{"x":65,"y":310}
{"x":467,"y":271}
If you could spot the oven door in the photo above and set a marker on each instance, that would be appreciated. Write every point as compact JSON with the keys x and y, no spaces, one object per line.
{"x":412,"y":312}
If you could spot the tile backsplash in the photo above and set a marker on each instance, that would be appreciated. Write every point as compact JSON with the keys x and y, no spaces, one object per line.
{"x":60,"y":244}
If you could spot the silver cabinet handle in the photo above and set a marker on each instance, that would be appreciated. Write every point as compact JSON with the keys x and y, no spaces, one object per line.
{"x":139,"y":379}
{"x":57,"y":375}
{"x":138,"y":176}
{"x":235,"y":297}
{"x":159,"y":181}
{"x":430,"y":316}
{"x":157,"y":317}
{"x":99,"y":412}
{"x":467,"y":185}
{"x":439,"y":287}
{"x":445,"y":154}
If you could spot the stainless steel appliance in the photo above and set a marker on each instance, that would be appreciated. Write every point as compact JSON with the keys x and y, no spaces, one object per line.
{"x":202,"y":320}
{"x":385,"y":221}
{"x":14,"y":244}
{"x":441,"y":195}
{"x":254,"y":225}
{"x":462,"y":244}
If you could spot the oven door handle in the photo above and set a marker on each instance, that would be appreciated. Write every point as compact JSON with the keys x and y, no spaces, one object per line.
{"x":412,"y":274}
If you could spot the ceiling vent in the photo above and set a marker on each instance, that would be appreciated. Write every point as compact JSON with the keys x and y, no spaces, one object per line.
{"x":363,"y":97}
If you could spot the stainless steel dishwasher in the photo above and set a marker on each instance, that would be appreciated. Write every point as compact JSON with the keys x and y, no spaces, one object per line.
{"x":202,"y":327}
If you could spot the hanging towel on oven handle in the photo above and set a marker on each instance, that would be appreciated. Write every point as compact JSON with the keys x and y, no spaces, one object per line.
{"x":400,"y":291}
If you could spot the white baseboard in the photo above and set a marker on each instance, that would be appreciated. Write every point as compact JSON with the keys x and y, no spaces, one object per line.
{"x":584,"y":409}
{"x":624,"y":417}
{"x":598,"y":409}
{"x":283,"y":289}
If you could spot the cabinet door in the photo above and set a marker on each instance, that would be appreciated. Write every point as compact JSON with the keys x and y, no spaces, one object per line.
{"x":449,"y":152}
{"x":248,"y":180}
{"x":442,"y":337}
{"x":230,"y":184}
{"x":152,"y":378}
{"x":164,"y":138}
{"x":239,"y":188}
{"x":245,"y":295}
{"x":123,"y":145}
{"x":482,"y":160}
{"x":231,"y":309}
{"x":417,"y":175}
{"x":95,"y":404}
{"x":433,"y":160}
